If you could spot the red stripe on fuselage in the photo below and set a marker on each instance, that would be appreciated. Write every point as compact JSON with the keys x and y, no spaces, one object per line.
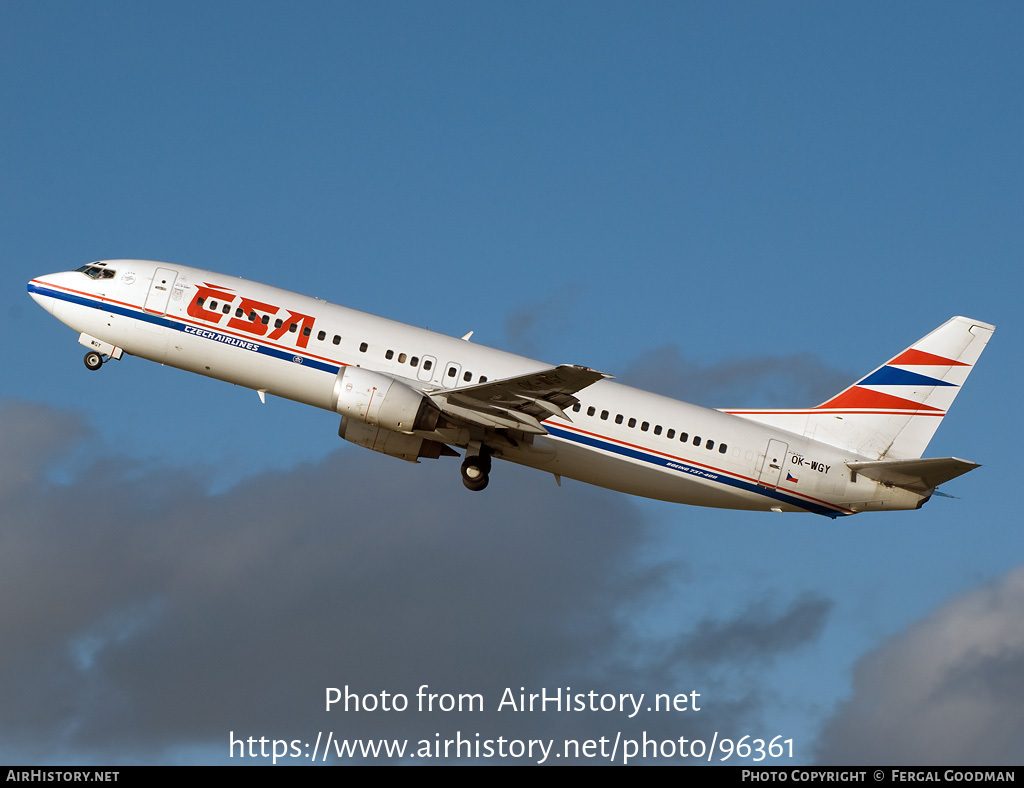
{"x":182,"y":320}
{"x":733,"y":474}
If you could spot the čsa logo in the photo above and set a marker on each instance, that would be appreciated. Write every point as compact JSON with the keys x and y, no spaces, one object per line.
{"x":248,"y":315}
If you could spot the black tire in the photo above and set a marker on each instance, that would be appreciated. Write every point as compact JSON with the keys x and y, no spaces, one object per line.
{"x":474,"y":472}
{"x":93,"y":360}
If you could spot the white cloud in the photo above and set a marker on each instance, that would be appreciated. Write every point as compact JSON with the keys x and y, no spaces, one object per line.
{"x":949,"y":690}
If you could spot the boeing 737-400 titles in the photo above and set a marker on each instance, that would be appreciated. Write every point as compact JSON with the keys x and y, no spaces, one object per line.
{"x":414,"y":394}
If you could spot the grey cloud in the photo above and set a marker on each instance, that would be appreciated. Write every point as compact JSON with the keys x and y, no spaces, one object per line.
{"x":948,"y":690}
{"x":526,"y":324}
{"x":143,"y":615}
{"x":757,"y":635}
{"x":39,"y":433}
{"x":794,"y":381}
{"x":784,"y":381}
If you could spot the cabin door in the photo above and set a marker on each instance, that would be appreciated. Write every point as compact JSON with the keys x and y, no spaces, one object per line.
{"x":160,"y":290}
{"x":771,"y":468}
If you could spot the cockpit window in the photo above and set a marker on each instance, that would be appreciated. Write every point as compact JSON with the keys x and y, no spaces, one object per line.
{"x":97,"y":271}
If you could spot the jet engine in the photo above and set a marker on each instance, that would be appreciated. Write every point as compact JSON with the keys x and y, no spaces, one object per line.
{"x":396,"y":444}
{"x":382,"y":401}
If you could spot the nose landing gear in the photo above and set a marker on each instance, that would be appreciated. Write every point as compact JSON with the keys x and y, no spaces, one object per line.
{"x":99,"y":351}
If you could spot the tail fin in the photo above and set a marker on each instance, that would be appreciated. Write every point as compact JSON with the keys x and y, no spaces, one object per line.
{"x":893,"y":412}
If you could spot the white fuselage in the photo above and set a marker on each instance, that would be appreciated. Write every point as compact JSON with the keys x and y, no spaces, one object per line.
{"x":618,"y":437}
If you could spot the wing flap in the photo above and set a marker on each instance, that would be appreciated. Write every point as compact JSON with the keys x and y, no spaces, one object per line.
{"x":519,"y":403}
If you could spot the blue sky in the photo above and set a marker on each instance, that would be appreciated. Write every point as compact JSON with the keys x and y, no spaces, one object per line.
{"x":737,"y":204}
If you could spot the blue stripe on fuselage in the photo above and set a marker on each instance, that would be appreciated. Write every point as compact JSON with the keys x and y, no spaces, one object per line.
{"x":177,"y":325}
{"x":692,"y":470}
{"x":564,"y":434}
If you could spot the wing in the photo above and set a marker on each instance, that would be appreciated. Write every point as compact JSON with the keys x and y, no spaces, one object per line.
{"x":519,"y":403}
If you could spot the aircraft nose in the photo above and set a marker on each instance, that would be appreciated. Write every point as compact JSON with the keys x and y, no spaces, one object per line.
{"x":37,"y":288}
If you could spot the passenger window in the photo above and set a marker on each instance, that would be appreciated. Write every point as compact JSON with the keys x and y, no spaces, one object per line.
{"x":467,"y":377}
{"x":576,"y":408}
{"x":213,"y":306}
{"x":362,"y":347}
{"x":390,"y":354}
{"x":427,"y":364}
{"x":696,"y":441}
{"x":709,"y":445}
{"x":657,"y":429}
{"x":618,"y":418}
{"x":265,"y":320}
{"x":591,"y":410}
{"x":683,"y":437}
{"x":604,"y":415}
{"x":645,"y":425}
{"x":321,"y":336}
{"x":337,"y":339}
{"x":239,"y":312}
{"x":293,"y":327}
{"x":226,"y":309}
{"x":414,"y":361}
{"x":401,"y":358}
{"x":452,"y":372}
{"x":722,"y":448}
{"x":483,"y":378}
{"x":631,"y":422}
{"x":278,"y":323}
{"x":670,"y":434}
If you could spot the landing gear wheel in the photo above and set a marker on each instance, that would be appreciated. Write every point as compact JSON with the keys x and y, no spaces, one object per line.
{"x":93,"y":360}
{"x":475,"y":486}
{"x":474,"y":472}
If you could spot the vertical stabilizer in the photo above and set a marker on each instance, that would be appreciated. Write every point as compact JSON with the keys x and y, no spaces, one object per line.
{"x":894,"y":411}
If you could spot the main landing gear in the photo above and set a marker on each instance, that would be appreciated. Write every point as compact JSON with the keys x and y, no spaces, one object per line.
{"x":475,"y":470}
{"x":93,"y":360}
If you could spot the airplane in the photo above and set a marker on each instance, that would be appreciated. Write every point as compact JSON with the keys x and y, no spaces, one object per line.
{"x":416,"y":394}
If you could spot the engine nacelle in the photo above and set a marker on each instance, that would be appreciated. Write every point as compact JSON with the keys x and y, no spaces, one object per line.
{"x":394,"y":444}
{"x":380,"y":400}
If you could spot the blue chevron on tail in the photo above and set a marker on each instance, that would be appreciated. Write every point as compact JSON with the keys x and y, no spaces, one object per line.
{"x":893,"y":412}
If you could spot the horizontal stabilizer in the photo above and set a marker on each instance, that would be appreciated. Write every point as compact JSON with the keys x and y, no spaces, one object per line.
{"x":918,"y":476}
